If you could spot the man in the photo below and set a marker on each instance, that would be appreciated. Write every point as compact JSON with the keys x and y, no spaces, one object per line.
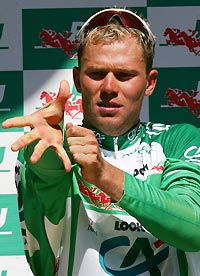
{"x":123,"y":198}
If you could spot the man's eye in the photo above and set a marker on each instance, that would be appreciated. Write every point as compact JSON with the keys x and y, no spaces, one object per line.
{"x":123,"y":76}
{"x":96,"y":75}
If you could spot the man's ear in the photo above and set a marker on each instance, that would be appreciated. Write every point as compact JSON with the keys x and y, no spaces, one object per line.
{"x":76,"y":77}
{"x":151,"y":82}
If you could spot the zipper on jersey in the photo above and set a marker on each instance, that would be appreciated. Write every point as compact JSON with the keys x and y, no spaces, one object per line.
{"x":116,"y":148}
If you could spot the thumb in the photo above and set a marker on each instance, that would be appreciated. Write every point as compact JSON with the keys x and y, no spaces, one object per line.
{"x":53,"y":112}
{"x":63,"y":93}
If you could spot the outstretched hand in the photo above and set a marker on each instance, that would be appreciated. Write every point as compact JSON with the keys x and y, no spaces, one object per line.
{"x":44,"y":128}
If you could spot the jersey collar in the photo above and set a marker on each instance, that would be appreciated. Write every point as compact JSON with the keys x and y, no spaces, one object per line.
{"x":109,"y":142}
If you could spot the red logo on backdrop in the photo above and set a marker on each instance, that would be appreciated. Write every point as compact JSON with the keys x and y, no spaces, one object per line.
{"x":190,"y":39}
{"x":73,"y":106}
{"x":53,"y":39}
{"x":47,"y":97}
{"x":191,"y":100}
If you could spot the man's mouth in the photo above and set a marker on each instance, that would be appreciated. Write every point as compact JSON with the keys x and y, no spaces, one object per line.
{"x":109,"y":104}
{"x":109,"y":107}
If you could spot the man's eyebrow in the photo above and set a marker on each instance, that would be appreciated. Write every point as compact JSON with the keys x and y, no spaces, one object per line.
{"x":115,"y":70}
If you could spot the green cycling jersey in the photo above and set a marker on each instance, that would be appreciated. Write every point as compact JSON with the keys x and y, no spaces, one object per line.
{"x":70,"y":227}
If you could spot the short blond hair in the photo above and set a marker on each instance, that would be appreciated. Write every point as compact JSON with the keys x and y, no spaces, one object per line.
{"x":116,"y":32}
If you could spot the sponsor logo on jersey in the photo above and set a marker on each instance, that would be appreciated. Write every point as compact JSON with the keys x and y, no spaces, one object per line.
{"x":96,"y":196}
{"x":141,"y":171}
{"x":125,"y":226}
{"x":192,"y":154}
{"x":140,"y":256}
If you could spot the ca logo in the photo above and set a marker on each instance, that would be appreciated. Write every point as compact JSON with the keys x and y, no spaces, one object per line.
{"x":127,"y":267}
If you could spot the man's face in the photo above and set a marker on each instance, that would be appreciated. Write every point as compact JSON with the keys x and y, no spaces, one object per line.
{"x":113,"y":82}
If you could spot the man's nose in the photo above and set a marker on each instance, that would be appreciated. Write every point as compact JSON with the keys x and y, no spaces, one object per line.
{"x":109,"y":83}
